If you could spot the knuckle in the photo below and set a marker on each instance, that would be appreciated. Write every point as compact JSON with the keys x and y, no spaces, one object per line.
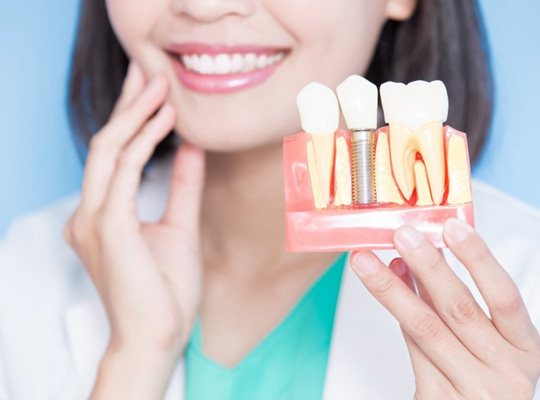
{"x":508,"y":302}
{"x":520,"y":386}
{"x":80,"y":230}
{"x":383,"y":286}
{"x":128,"y":159}
{"x":477,"y":250}
{"x":463,"y":309}
{"x":67,"y":233}
{"x":97,"y":143}
{"x":425,"y":326}
{"x":431,"y":263}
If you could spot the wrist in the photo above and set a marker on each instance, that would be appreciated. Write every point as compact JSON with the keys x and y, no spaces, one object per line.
{"x":133,"y":372}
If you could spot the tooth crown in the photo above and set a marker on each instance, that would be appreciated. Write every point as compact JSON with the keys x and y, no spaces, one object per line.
{"x":359,"y":100}
{"x":319,"y":109}
{"x":414,"y":104}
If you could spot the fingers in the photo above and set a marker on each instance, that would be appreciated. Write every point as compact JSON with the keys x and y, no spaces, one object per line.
{"x":500,"y":293}
{"x":187,"y":181}
{"x":109,"y":142}
{"x":429,"y":379}
{"x":122,"y":196}
{"x":451,"y":298}
{"x":416,"y":318}
{"x":133,"y":84}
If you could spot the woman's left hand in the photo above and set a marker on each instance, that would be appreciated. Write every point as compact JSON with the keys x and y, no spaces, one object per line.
{"x":456,"y":350}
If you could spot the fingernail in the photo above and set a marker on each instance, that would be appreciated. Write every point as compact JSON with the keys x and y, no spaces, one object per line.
{"x":456,"y":230}
{"x":364,"y":264}
{"x":398,"y":267}
{"x":408,"y":238}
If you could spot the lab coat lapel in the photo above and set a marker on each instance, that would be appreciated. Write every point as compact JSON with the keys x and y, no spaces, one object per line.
{"x":368,"y":357}
{"x":88,"y":334}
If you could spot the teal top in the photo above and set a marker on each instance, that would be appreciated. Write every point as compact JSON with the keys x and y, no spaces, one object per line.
{"x":289,"y":363}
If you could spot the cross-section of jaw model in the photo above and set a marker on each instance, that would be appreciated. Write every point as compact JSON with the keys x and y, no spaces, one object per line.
{"x":348,"y":189}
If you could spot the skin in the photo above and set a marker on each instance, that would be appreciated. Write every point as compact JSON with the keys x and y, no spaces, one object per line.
{"x":201,"y":258}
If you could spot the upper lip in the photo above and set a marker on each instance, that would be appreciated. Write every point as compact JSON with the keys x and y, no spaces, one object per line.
{"x":217,"y":48}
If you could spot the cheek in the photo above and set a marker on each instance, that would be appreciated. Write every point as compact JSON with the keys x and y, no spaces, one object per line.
{"x":335,"y":38}
{"x":133,"y":21}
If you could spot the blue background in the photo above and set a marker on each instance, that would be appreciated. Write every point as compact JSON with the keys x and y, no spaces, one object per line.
{"x":39,"y":164}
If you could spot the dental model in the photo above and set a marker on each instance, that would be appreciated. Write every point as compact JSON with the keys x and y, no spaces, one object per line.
{"x":319,"y":114}
{"x":413,"y":171}
{"x":415,"y":114}
{"x":358,"y":98}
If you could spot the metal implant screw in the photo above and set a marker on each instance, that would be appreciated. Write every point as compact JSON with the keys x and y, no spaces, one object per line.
{"x":363,"y":167}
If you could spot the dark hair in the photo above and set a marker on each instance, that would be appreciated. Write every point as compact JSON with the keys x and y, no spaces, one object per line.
{"x":442,"y":40}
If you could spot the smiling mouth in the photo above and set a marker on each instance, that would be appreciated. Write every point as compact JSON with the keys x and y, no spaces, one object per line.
{"x":220,"y":69}
{"x":224,"y":63}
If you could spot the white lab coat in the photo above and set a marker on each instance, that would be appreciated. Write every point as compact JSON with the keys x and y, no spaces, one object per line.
{"x":53,"y":329}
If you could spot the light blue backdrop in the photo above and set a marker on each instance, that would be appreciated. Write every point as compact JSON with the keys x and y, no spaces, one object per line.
{"x":38,"y":163}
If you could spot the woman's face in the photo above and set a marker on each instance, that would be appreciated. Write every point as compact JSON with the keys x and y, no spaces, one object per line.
{"x":320,"y":40}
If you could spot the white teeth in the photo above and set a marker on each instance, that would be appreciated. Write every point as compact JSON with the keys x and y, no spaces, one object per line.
{"x":222,"y":64}
{"x":249,"y":62}
{"x":206,"y":64}
{"x":236,"y":63}
{"x":319,"y":109}
{"x":415,"y":104}
{"x":359,"y":100}
{"x":262,"y":61}
{"x":229,"y":63}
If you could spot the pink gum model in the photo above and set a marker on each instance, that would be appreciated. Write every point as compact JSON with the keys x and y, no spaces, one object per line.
{"x":346,"y":228}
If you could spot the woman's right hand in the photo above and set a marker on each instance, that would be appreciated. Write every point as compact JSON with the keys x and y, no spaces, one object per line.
{"x":148,"y":275}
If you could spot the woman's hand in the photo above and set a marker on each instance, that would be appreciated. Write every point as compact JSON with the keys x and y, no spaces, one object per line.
{"x":148,"y":275}
{"x":457,"y":351}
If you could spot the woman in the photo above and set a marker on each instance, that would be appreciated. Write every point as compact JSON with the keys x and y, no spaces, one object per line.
{"x":186,"y":288}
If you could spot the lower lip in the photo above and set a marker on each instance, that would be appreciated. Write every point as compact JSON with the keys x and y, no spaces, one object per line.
{"x":221,"y":83}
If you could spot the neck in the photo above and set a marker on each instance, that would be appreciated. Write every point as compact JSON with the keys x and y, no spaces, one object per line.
{"x":243,"y":227}
{"x":243,"y":205}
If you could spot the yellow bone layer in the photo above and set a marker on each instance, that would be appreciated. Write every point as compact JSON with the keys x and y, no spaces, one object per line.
{"x":387,"y":191}
{"x":318,"y":198}
{"x":459,"y":178}
{"x":342,"y":174}
{"x":323,"y":149}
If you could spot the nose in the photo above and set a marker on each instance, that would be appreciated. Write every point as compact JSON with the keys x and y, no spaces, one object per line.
{"x":212,"y":10}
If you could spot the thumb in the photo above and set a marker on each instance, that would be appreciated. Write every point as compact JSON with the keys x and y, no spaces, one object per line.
{"x":186,"y":185}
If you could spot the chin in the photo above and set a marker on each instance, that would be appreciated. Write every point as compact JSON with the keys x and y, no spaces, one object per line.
{"x":227,"y":138}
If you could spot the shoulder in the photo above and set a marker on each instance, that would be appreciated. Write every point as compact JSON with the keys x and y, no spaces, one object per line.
{"x":34,"y":246}
{"x":40,"y":276}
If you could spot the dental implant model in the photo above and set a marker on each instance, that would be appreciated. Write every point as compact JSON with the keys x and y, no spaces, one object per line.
{"x":358,"y":98}
{"x":350,"y":189}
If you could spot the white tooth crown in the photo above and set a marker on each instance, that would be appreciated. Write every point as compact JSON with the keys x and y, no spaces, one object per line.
{"x":358,"y":98}
{"x":229,"y":63}
{"x":414,"y":104}
{"x":318,"y":108}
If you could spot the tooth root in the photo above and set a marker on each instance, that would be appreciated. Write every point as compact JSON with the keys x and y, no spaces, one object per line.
{"x":403,"y":154}
{"x":430,"y":140}
{"x":323,"y":147}
{"x":422,"y":187}
{"x":318,"y":197}
{"x":404,"y":145}
{"x":387,"y":191}
{"x":342,"y":174}
{"x":459,"y":178}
